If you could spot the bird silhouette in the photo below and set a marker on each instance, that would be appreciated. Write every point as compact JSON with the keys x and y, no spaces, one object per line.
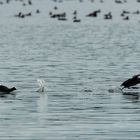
{"x":131,"y":82}
{"x":5,"y":89}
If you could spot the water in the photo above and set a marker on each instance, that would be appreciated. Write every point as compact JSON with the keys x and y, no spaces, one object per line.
{"x":80,"y":63}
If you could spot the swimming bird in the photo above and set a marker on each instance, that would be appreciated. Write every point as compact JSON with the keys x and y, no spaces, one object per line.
{"x":5,"y":89}
{"x":37,"y":11}
{"x":108,"y":16}
{"x":94,"y":13}
{"x":41,"y":84}
{"x":75,"y":19}
{"x":126,"y":18}
{"x":131,"y":82}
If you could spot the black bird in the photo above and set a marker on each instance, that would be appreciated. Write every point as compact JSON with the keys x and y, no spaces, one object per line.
{"x":131,"y":82}
{"x":126,"y":18}
{"x":5,"y":89}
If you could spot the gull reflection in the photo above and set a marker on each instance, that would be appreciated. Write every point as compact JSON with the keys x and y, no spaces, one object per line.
{"x":42,"y":103}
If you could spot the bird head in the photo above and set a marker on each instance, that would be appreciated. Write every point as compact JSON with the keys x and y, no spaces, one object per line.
{"x":13,"y":88}
{"x":136,"y":76}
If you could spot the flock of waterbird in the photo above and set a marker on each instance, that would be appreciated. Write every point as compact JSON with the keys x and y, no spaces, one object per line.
{"x":56,"y":14}
{"x":23,"y":3}
{"x":124,"y":14}
{"x":128,"y":84}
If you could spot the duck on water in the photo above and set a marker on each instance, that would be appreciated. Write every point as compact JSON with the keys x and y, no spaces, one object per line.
{"x":6,"y":90}
{"x":131,"y":82}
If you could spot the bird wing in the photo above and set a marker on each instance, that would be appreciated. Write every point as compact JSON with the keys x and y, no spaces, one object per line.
{"x":41,"y":84}
{"x":126,"y":83}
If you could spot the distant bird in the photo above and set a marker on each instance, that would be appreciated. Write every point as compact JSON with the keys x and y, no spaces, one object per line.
{"x":5,"y":89}
{"x":126,"y":18}
{"x":41,"y":84}
{"x":29,"y":2}
{"x":131,"y":82}
{"x":137,"y":12}
{"x":75,"y":19}
{"x":108,"y":16}
{"x":7,"y":1}
{"x":75,"y":12}
{"x":1,"y":2}
{"x":50,"y":13}
{"x":126,"y":12}
{"x":118,"y":1}
{"x":20,"y":15}
{"x":28,"y":14}
{"x":37,"y":11}
{"x":55,"y":8}
{"x":24,"y":4}
{"x":94,"y":13}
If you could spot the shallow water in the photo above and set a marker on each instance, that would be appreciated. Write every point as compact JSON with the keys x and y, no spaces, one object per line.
{"x":80,"y":63}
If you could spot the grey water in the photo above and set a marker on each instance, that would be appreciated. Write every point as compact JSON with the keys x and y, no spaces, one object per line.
{"x":80,"y":63}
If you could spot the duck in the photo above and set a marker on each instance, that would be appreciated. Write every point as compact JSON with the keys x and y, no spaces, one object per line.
{"x":108,"y":16}
{"x":5,"y":89}
{"x":126,"y":18}
{"x":75,"y":19}
{"x":131,"y":81}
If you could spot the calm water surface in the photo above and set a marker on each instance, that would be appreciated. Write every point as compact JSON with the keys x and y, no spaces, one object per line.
{"x":79,"y":63}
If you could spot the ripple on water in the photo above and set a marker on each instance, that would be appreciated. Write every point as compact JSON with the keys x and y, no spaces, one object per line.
{"x":79,"y":64}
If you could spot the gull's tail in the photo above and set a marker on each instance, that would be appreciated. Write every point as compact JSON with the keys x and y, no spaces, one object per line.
{"x":41,"y":84}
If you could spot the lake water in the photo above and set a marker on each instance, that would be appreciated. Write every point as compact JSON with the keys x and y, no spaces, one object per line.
{"x":80,"y":63}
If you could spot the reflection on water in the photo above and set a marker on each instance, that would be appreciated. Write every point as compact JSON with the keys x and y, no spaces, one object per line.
{"x":80,"y":64}
{"x":8,"y":96}
{"x":134,"y":96}
{"x":42,"y":103}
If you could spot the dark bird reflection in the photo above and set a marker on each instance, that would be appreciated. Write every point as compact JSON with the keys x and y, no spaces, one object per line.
{"x":134,"y":96}
{"x":133,"y":93}
{"x":6,"y":95}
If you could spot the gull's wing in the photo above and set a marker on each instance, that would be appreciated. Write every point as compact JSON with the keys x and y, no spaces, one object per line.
{"x":41,"y":84}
